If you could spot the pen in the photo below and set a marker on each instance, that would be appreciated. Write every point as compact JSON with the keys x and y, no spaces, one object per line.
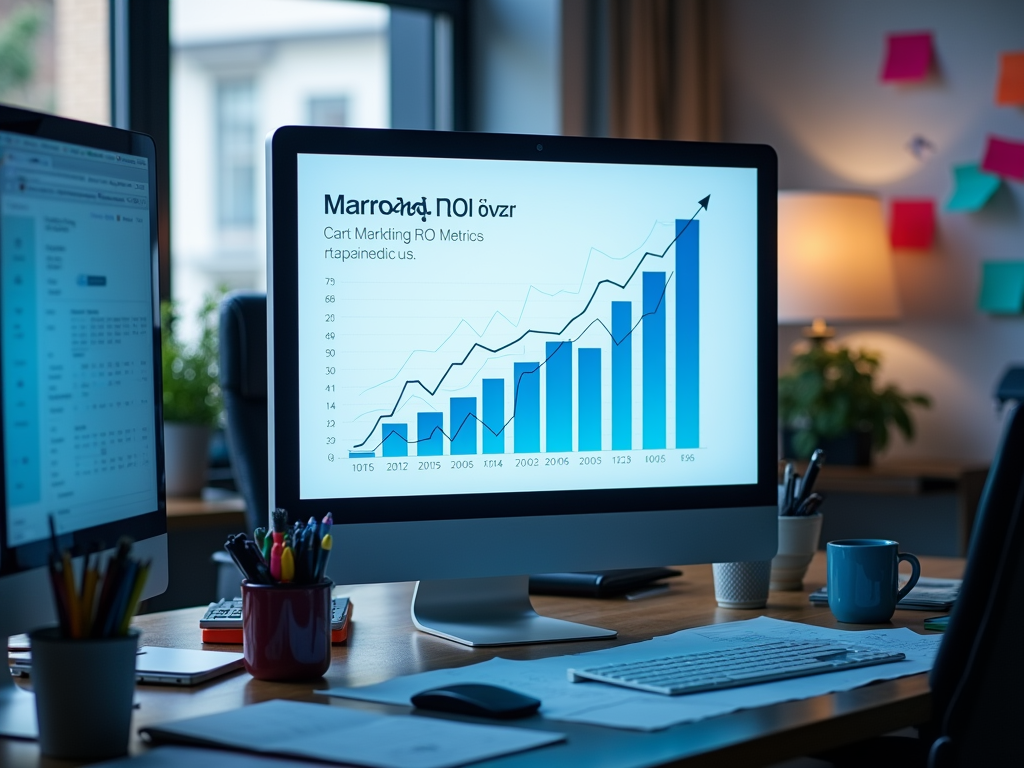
{"x":813,"y":468}
{"x":788,"y":481}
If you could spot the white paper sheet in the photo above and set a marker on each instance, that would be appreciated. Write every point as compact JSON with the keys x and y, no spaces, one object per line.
{"x":615,"y":707}
{"x":334,"y":734}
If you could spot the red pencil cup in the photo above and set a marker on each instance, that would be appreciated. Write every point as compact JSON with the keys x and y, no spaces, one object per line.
{"x":286,"y":630}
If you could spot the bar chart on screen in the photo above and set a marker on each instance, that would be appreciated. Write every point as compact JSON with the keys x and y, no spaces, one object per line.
{"x":459,"y":341}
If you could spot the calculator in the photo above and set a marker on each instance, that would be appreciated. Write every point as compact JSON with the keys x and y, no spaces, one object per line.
{"x":222,"y":622}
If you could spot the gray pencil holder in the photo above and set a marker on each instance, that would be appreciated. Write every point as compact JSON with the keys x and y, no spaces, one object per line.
{"x":84,"y":691}
{"x":742,"y":585}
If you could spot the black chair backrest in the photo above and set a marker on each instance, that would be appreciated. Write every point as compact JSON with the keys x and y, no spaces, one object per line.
{"x":243,"y":380}
{"x":978,"y":677}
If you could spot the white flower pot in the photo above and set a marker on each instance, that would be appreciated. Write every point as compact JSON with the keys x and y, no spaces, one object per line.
{"x":186,"y":455}
{"x":798,"y":541}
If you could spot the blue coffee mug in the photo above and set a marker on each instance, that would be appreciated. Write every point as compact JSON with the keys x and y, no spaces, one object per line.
{"x":863,"y":579}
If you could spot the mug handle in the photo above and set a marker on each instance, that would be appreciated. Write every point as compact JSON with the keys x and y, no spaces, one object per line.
{"x":915,"y":573}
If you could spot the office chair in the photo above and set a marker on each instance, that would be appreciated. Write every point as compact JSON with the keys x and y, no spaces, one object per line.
{"x":243,"y":382}
{"x":978,"y":677}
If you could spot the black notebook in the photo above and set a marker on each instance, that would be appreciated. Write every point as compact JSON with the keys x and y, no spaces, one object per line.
{"x":598,"y":583}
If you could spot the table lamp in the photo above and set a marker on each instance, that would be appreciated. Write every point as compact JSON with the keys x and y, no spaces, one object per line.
{"x":833,"y":260}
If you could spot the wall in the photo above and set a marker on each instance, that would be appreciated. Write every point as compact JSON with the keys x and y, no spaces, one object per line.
{"x":803,"y":76}
{"x":515,"y":75}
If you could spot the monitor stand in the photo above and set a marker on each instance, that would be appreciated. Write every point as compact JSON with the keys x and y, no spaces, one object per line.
{"x":491,"y":611}
{"x":17,"y":708}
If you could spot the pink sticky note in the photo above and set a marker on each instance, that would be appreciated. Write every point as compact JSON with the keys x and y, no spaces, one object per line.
{"x":1004,"y":157}
{"x":912,"y":224}
{"x":908,"y":57}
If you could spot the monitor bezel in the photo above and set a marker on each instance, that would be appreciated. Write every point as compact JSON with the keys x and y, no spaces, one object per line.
{"x":147,"y":525}
{"x":283,"y":148}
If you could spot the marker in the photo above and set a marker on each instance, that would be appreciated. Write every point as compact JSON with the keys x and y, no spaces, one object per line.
{"x":275,"y":555}
{"x":325,"y":553}
{"x":287,"y":565}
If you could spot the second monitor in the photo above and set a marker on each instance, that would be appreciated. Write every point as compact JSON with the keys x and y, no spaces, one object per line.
{"x":495,"y":355}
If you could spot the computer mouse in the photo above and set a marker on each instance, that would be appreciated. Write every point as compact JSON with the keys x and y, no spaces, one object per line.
{"x":478,"y":700}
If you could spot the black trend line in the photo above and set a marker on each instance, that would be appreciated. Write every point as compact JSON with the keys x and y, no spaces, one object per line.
{"x":702,"y":205}
{"x":515,"y":391}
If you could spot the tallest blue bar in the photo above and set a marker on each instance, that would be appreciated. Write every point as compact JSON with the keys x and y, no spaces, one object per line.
{"x":687,"y":334}
{"x":654,"y":427}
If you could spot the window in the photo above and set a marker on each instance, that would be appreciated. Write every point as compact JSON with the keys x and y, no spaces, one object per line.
{"x":55,"y":57}
{"x":177,"y":63}
{"x":236,"y":153}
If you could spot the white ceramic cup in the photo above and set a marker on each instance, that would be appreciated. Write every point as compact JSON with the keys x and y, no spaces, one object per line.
{"x":742,"y":585}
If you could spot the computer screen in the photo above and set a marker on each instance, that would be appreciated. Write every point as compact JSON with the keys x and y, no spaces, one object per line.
{"x":471,"y":327}
{"x":79,"y":353}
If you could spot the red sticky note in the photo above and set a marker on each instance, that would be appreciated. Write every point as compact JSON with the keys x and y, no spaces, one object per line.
{"x":1004,"y":157}
{"x":1010,"y":90}
{"x":912,"y":224}
{"x":908,"y":57}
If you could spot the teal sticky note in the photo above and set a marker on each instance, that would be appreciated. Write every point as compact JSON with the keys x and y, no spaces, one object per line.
{"x":1002,"y":287}
{"x":973,"y":188}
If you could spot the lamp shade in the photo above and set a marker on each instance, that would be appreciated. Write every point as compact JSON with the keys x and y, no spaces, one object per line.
{"x":834,"y":260}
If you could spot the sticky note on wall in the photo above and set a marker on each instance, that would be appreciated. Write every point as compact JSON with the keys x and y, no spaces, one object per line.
{"x":908,"y":57}
{"x":912,"y":224}
{"x":972,"y":188}
{"x":1010,"y":87}
{"x":1004,"y":157}
{"x":1002,"y":287}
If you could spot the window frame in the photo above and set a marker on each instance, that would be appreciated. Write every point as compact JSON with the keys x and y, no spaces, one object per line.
{"x":140,"y":80}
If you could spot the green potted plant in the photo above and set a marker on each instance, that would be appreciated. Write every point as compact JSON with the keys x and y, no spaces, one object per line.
{"x":192,"y":398}
{"x":829,"y":399}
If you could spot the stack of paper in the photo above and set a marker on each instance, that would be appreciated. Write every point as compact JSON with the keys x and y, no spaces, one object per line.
{"x":615,"y":707}
{"x":337,"y":735}
{"x":927,"y":595}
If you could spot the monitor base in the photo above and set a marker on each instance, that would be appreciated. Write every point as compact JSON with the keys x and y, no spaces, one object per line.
{"x":491,"y":611}
{"x":17,"y":709}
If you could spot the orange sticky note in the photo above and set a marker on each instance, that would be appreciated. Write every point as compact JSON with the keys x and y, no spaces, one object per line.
{"x":1010,"y":90}
{"x":912,"y":224}
{"x":908,"y":57}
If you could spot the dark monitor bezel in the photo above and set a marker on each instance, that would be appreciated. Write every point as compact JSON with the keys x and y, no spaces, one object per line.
{"x":284,"y":146}
{"x":149,"y":524}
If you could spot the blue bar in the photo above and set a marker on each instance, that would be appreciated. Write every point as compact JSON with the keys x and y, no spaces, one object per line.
{"x":494,"y":416}
{"x":526,"y":408}
{"x":654,"y":360}
{"x":396,"y":439}
{"x":462,"y":421}
{"x":622,"y":375}
{"x":590,"y":400}
{"x":429,"y":437}
{"x":558,"y":381}
{"x":362,"y":455}
{"x":688,"y":335}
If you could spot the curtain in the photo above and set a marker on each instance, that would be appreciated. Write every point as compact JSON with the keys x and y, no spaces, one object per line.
{"x":663,"y":70}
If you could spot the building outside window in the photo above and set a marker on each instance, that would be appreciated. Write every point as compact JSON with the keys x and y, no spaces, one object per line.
{"x":240,"y":69}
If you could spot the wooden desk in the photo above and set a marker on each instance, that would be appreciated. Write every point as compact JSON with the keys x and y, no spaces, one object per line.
{"x":384,"y":644}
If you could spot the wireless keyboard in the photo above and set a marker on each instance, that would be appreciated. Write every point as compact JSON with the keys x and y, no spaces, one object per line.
{"x":733,"y":667}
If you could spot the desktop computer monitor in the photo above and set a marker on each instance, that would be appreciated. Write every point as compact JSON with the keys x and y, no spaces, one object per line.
{"x":496,"y":355}
{"x":81,"y":441}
